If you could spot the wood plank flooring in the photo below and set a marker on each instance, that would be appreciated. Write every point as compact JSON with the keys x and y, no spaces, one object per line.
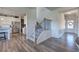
{"x":18,"y":43}
{"x":64,"y":44}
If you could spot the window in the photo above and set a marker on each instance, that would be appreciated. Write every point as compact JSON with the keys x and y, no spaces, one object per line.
{"x":70,"y":24}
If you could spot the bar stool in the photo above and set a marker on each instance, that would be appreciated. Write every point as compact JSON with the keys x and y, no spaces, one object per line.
{"x":4,"y":35}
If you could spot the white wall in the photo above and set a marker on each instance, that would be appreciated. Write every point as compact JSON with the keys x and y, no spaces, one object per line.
{"x":30,"y":27}
{"x":78,"y":23}
{"x":43,"y":13}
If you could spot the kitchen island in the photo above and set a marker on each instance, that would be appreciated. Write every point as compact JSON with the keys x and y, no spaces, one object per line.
{"x":7,"y":31}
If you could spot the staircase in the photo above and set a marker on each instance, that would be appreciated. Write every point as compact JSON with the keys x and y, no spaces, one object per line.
{"x":44,"y":35}
{"x":38,"y":30}
{"x":41,"y":34}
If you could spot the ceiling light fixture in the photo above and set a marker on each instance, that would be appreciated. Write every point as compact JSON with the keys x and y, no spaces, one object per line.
{"x":2,"y":19}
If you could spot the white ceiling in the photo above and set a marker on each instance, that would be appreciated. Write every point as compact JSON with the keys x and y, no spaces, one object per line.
{"x":20,"y":11}
{"x":52,"y":8}
{"x":16,"y":11}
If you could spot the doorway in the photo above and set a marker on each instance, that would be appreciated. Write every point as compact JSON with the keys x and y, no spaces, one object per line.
{"x":71,"y":23}
{"x":71,"y":27}
{"x":15,"y":27}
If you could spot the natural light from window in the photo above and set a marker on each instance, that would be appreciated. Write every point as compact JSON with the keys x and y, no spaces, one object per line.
{"x":70,"y":24}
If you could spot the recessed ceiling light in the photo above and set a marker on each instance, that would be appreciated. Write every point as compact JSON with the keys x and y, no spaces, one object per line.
{"x":2,"y":19}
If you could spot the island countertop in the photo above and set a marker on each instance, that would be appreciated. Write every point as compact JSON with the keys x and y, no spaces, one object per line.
{"x":7,"y":30}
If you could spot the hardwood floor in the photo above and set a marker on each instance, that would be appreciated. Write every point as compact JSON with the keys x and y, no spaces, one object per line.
{"x":64,"y":44}
{"x":18,"y":43}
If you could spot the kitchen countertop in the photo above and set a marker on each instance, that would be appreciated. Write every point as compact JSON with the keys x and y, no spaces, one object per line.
{"x":2,"y":28}
{"x":7,"y":30}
